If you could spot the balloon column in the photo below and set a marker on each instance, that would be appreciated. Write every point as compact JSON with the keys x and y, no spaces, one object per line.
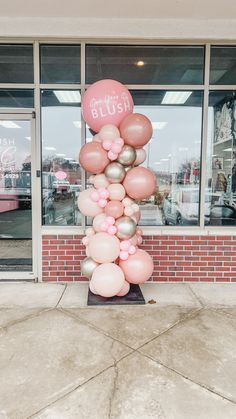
{"x":114,"y":260}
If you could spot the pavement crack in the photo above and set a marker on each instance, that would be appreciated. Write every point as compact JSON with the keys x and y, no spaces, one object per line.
{"x":203,"y":386}
{"x":62,"y":294}
{"x":196,"y":296}
{"x":114,"y":387}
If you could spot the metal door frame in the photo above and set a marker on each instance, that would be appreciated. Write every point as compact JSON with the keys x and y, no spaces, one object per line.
{"x":29,"y":115}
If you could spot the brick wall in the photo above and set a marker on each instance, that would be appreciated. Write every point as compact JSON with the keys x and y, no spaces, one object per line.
{"x":176,"y":258}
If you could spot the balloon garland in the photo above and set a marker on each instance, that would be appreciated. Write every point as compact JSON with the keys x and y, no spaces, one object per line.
{"x":114,"y":260}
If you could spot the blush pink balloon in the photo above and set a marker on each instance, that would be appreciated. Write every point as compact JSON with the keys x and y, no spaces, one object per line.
{"x":102,"y":202}
{"x":86,"y":205}
{"x":137,"y":268}
{"x":97,"y":222}
{"x":124,"y":255}
{"x":106,"y":102}
{"x":140,"y":183}
{"x":116,"y":191}
{"x":112,"y":230}
{"x":101,"y":181}
{"x":114,"y":209}
{"x":125,"y":245}
{"x":87,"y":252}
{"x":140,"y":156}
{"x":110,"y":220}
{"x":104,"y":248}
{"x":91,"y":287}
{"x":136,"y":130}
{"x":108,"y":279}
{"x":93,"y":157}
{"x":107,"y":144}
{"x":112,"y":156}
{"x":124,"y":290}
{"x":133,"y":240}
{"x":89,"y":231}
{"x":109,"y":132}
{"x":104,"y":226}
{"x":132,"y":250}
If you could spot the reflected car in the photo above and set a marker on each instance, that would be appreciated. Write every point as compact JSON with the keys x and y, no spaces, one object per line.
{"x":181,"y":207}
{"x":224,"y":214}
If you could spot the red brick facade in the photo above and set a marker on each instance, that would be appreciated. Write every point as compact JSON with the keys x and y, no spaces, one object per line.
{"x":177,"y":258}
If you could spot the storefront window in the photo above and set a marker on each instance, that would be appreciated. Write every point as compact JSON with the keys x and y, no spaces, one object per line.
{"x":60,"y":63}
{"x":16,"y":64}
{"x":16,"y":98}
{"x":221,"y":159}
{"x":145,"y":64}
{"x":173,"y":154}
{"x":223,"y":65}
{"x":61,"y":142}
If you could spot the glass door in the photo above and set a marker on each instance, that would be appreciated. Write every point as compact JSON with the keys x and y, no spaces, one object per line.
{"x":16,"y":188}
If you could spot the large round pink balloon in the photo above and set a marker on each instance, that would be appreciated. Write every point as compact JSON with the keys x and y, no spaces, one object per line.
{"x":104,"y":248}
{"x":124,"y":290}
{"x":136,"y":130}
{"x":93,"y":157}
{"x":137,"y":268}
{"x":116,"y":191}
{"x":106,"y":102}
{"x":86,"y":205}
{"x":140,"y":183}
{"x":107,"y":280}
{"x":114,"y":209}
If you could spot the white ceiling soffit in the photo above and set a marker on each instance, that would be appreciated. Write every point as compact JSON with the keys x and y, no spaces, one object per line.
{"x":122,"y":18}
{"x":159,"y":9}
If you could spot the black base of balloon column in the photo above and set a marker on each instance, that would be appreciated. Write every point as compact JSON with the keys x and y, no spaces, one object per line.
{"x":134,"y":297}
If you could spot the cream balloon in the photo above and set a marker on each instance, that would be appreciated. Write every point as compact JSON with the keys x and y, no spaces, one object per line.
{"x":126,"y":228}
{"x":115,"y":172}
{"x":108,"y":280}
{"x":116,"y":191}
{"x":86,"y":205}
{"x":104,"y":248}
{"x":140,"y":156}
{"x":87,"y":267}
{"x":100,"y":181}
{"x":124,"y":290}
{"x":98,"y":220}
{"x":109,"y":132}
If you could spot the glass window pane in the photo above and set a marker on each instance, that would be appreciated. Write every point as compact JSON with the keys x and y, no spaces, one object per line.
{"x":220,"y":207}
{"x":16,"y":98}
{"x":223,"y":65}
{"x":61,"y":141}
{"x":60,"y":63}
{"x":173,"y":154}
{"x":145,"y":64}
{"x":16,"y":63}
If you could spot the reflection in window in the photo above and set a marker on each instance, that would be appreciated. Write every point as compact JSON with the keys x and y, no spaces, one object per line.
{"x":60,"y":63}
{"x":145,"y":64}
{"x":16,"y":63}
{"x":173,"y":154}
{"x":61,"y":141}
{"x":16,"y":98}
{"x":223,"y":65}
{"x":221,"y":159}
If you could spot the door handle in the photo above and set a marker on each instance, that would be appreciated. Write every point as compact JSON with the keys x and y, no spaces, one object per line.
{"x":38,"y":173}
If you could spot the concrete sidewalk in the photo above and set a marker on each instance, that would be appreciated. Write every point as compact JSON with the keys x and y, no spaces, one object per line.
{"x":175,"y":359}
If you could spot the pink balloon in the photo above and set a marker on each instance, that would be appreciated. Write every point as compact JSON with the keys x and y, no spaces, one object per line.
{"x":110,"y":220}
{"x":108,"y":279}
{"x":137,"y":268}
{"x":140,"y":183}
{"x":87,"y":252}
{"x":85,"y":241}
{"x":124,"y":290}
{"x":102,"y":202}
{"x":128,"y":211}
{"x":104,"y":226}
{"x":112,"y":230}
{"x":136,"y":216}
{"x":140,"y":156}
{"x":107,"y":144}
{"x":124,"y":255}
{"x":103,"y":192}
{"x":97,"y":222}
{"x":95,"y":196}
{"x":125,"y":245}
{"x":132,"y":250}
{"x":136,"y":130}
{"x":139,"y":240}
{"x":112,"y":156}
{"x":106,"y":102}
{"x":101,"y":181}
{"x":114,"y":209}
{"x":93,"y":157}
{"x":109,"y":132}
{"x":86,"y":205}
{"x":116,"y":191}
{"x":104,"y":248}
